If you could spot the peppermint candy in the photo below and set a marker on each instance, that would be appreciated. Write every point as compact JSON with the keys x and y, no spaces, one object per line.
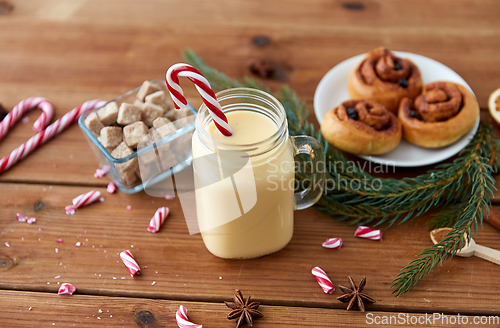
{"x":334,"y":243}
{"x":130,"y":263}
{"x":111,"y":188}
{"x":158,"y":218}
{"x":324,"y":282}
{"x":82,"y":200}
{"x":182,"y":319}
{"x":368,"y":233}
{"x":66,"y":289}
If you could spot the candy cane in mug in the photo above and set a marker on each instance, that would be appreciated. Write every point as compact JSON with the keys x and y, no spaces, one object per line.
{"x":45,"y":135}
{"x":22,"y":108}
{"x":203,"y":87}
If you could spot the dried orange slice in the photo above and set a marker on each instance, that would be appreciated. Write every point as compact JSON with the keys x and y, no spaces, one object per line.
{"x":494,"y":105}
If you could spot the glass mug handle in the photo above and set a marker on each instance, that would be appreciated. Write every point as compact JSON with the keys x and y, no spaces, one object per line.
{"x":309,"y":145}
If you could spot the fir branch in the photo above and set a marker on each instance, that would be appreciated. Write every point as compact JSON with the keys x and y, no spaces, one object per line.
{"x":446,"y":217}
{"x":466,"y":182}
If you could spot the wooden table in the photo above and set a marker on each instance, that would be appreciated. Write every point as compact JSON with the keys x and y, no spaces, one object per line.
{"x":75,"y":50}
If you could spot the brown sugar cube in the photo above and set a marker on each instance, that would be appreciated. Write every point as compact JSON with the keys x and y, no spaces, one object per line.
{"x":128,"y":177}
{"x":183,"y":117}
{"x":146,"y":89}
{"x":128,"y":114}
{"x":133,"y":133}
{"x":111,"y":136}
{"x":94,"y":124}
{"x":164,"y":127}
{"x":170,"y":114}
{"x":183,"y":113}
{"x":121,"y":151}
{"x":108,"y":114}
{"x":139,"y":103}
{"x":158,"y":98}
{"x":151,"y":112}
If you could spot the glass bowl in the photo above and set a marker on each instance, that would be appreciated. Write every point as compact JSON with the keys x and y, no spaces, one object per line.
{"x":157,"y":157}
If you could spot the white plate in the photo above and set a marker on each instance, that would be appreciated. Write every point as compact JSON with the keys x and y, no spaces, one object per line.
{"x":332,"y":90}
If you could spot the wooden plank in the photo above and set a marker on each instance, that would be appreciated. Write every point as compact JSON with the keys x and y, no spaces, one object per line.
{"x":89,"y":49}
{"x":85,"y":311}
{"x":184,"y":269}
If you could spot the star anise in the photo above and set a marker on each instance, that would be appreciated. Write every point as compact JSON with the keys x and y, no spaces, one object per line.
{"x":243,"y":310}
{"x":355,"y":296}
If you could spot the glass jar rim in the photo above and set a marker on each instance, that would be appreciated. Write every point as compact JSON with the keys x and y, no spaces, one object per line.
{"x":251,"y":92}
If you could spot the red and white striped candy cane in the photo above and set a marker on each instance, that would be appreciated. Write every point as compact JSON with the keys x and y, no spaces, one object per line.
{"x":45,"y":135}
{"x":22,"y":108}
{"x":203,"y":87}
{"x":368,"y":233}
{"x":130,"y":263}
{"x":182,"y":319}
{"x":324,"y":282}
{"x":333,"y":243}
{"x":158,"y":218}
{"x":86,"y":199}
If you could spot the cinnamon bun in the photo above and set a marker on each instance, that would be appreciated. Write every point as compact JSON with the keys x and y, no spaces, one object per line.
{"x":440,"y":116}
{"x":385,"y":79}
{"x":362,"y":127}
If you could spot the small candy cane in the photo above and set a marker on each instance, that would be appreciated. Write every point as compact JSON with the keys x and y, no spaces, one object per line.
{"x":203,"y":87}
{"x":66,"y":289}
{"x":368,"y":233}
{"x":22,"y":108}
{"x":182,"y":319}
{"x":323,"y":280}
{"x":82,"y":200}
{"x":45,"y":135}
{"x":334,"y":243}
{"x":158,"y":218}
{"x":130,"y":263}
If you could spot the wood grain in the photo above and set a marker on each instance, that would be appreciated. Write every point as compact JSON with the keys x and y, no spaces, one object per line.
{"x":73,"y":51}
{"x":184,"y":270}
{"x":95,"y":50}
{"x":100,"y":311}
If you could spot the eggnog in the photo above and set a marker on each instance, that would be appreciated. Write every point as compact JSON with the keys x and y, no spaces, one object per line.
{"x":246,"y":209}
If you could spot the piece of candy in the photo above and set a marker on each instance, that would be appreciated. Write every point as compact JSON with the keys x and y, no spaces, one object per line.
{"x":31,"y":220}
{"x":158,"y":218}
{"x":66,"y":289}
{"x":323,"y":280}
{"x":182,"y":319}
{"x":20,"y":218}
{"x":111,"y":188}
{"x":334,"y":243}
{"x":86,"y":199}
{"x":130,"y":263}
{"x":101,"y":172}
{"x":70,"y":209}
{"x":368,"y":233}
